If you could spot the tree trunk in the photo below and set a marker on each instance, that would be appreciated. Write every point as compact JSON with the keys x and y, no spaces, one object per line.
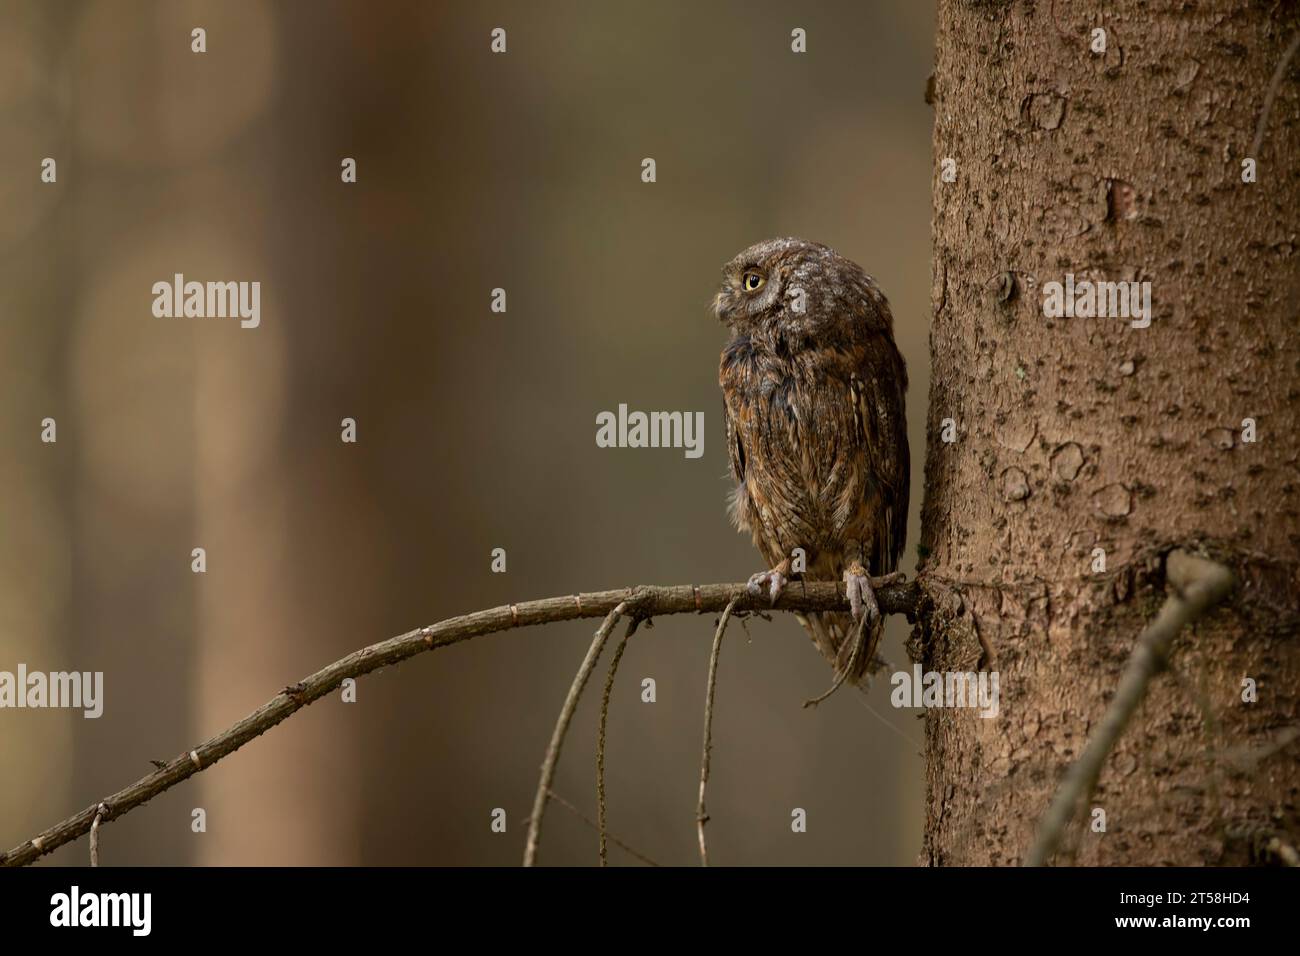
{"x":1074,"y":434}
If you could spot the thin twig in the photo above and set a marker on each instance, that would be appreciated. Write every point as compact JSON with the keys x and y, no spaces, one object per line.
{"x":1264,"y":843}
{"x":1246,"y":757}
{"x":600,"y":737}
{"x":592,"y":823}
{"x":100,"y":811}
{"x":701,"y":815}
{"x":843,"y":675}
{"x":561,"y":728}
{"x":1273,"y":86}
{"x":1198,"y":585}
{"x":648,"y":600}
{"x":920,"y":747}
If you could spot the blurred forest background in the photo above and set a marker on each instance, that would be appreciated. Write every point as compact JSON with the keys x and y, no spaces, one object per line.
{"x":476,"y":430}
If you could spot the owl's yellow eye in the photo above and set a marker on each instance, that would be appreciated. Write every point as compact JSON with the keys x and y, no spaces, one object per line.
{"x":752,"y":281}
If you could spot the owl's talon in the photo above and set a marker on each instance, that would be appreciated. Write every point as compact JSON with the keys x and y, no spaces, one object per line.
{"x":862,"y":599}
{"x":774,"y":579}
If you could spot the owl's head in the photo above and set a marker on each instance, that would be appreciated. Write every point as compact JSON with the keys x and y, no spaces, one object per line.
{"x":786,"y":281}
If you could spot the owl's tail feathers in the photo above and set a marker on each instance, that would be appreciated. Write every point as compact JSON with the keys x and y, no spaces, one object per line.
{"x":836,"y":636}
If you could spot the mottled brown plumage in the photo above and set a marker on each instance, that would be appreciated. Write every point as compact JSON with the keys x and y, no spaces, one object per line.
{"x":816,"y":428}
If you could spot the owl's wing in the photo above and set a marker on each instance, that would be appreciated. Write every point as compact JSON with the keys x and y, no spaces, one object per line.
{"x":878,"y":390}
{"x":735,"y":450}
{"x":735,"y":413}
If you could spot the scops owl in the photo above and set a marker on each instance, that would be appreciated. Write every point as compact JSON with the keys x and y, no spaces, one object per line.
{"x":813,"y":392}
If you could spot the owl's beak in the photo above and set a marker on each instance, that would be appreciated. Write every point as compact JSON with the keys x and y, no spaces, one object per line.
{"x":720,"y":300}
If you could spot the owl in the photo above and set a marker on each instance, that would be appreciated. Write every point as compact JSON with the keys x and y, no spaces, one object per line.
{"x":813,"y":393}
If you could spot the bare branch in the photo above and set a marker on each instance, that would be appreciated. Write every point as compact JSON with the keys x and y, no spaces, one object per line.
{"x":592,"y":823}
{"x":1265,"y":845}
{"x":1198,"y":585}
{"x":645,"y":601}
{"x":100,"y":812}
{"x":600,"y":739}
{"x":1245,"y":758}
{"x":1270,"y":95}
{"x":562,"y":727}
{"x":1283,"y":851}
{"x":701,"y":815}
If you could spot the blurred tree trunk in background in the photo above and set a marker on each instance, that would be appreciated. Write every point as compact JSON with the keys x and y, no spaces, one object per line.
{"x":1079,"y":434}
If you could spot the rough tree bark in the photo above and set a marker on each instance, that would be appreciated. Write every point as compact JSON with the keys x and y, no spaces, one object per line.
{"x":1074,"y":434}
